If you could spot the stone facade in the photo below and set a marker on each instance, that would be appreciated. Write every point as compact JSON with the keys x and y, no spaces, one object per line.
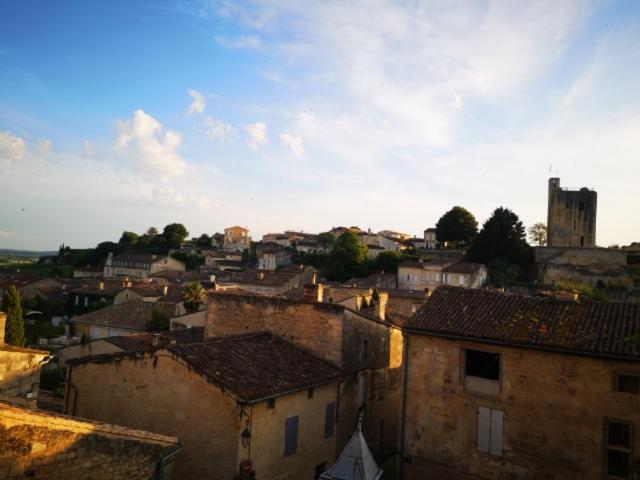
{"x":139,"y":265}
{"x":368,"y":350}
{"x":571,"y":217}
{"x":35,"y":444}
{"x":549,"y":413}
{"x":441,"y":271}
{"x":236,"y":238}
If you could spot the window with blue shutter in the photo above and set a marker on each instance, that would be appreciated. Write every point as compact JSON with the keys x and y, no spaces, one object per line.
{"x":329,"y":419}
{"x":290,"y":436}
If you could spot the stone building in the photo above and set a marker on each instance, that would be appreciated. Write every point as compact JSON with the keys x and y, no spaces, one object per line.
{"x":139,"y":265}
{"x":236,"y":239}
{"x":430,"y":240}
{"x":272,"y":256}
{"x":246,"y":397}
{"x":501,"y":386}
{"x":571,"y":217}
{"x":366,"y":347}
{"x":438,"y":271}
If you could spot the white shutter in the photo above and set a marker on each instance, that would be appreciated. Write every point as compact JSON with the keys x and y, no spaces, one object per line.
{"x":484,"y":429}
{"x":497,"y":420}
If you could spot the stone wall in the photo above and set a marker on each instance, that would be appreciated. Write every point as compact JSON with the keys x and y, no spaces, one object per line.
{"x":316,"y":326}
{"x":555,"y":408}
{"x":157,"y":392}
{"x":35,"y":444}
{"x":95,"y":347}
{"x":571,"y":216}
{"x":20,"y":374}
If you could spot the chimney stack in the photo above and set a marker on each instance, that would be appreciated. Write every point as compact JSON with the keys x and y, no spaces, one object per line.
{"x":381,"y":305}
{"x":165,"y":291}
{"x":427,"y":293}
{"x":156,"y":339}
{"x":314,"y":277}
{"x":313,"y":292}
{"x":260,"y":275}
{"x":101,"y":285}
{"x":3,"y":321}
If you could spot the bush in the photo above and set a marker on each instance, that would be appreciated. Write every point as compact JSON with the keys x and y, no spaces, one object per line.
{"x":52,"y":379}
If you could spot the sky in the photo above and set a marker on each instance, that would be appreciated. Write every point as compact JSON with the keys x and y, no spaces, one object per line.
{"x":278,"y":115}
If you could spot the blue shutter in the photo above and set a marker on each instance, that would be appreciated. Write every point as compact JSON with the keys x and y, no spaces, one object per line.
{"x":329,"y":419}
{"x":290,"y":436}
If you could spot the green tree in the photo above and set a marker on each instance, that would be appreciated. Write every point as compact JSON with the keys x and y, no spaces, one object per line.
{"x":193,"y":296}
{"x":152,"y":232}
{"x":502,"y":237}
{"x":12,"y":305}
{"x":158,"y":321}
{"x":457,"y":225}
{"x":174,"y":234}
{"x":128,"y":240}
{"x":326,"y":240}
{"x":387,"y":262}
{"x":348,"y":258}
{"x":204,"y":240}
{"x":538,"y":234}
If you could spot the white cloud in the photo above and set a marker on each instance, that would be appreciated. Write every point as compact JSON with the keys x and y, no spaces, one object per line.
{"x":44,"y":148}
{"x":197,"y":104}
{"x":293,"y":142}
{"x":217,"y":129}
{"x":243,"y":42}
{"x":5,"y":234}
{"x":12,"y":147}
{"x":143,"y":140}
{"x":257,"y":133}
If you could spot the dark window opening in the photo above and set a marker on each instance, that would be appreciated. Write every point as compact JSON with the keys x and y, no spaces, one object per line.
{"x":320,"y":469}
{"x":271,"y":403}
{"x":628,"y":384}
{"x":618,"y":449}
{"x":290,"y":436}
{"x":329,"y":419}
{"x":310,"y":393}
{"x":365,"y":349}
{"x":581,"y":206}
{"x":582,"y":241}
{"x":482,"y":364}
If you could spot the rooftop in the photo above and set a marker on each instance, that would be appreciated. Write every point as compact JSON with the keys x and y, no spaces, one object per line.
{"x":131,"y":315}
{"x":144,"y":341}
{"x":589,"y":328}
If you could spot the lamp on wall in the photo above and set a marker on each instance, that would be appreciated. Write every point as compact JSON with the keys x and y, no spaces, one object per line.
{"x":245,"y":436}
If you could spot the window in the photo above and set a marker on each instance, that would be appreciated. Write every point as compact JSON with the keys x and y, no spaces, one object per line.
{"x":438,"y":276}
{"x":618,"y":438}
{"x":329,"y":419}
{"x":482,"y":372}
{"x":365,"y":349}
{"x":319,"y":470}
{"x":271,"y":403}
{"x":490,"y":434}
{"x":461,"y":279}
{"x":362,"y":389}
{"x":290,"y":436}
{"x":310,"y":393}
{"x":628,"y":384}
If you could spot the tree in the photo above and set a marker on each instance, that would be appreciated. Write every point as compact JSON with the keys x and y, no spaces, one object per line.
{"x":538,"y":234}
{"x":159,"y":321}
{"x":326,"y":240}
{"x":152,"y":232}
{"x":502,"y":237}
{"x":348,"y":257}
{"x":387,"y":262}
{"x":174,"y":234}
{"x":193,"y":297}
{"x":203,"y":240}
{"x":128,"y":240}
{"x":14,"y":329}
{"x":457,"y":225}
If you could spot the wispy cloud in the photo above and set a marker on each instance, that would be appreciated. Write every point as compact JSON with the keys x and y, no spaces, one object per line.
{"x":257,"y":134}
{"x":294,"y":143}
{"x":198,"y":102}
{"x":216,"y":129}
{"x":12,"y":147}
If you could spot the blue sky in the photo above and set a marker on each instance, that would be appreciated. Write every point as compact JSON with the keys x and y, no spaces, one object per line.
{"x":121,"y":115}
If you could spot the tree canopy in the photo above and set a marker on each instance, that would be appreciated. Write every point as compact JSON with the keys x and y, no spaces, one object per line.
{"x":538,"y":234}
{"x":158,"y":321}
{"x":502,"y":237}
{"x":174,"y":234}
{"x":193,"y":296}
{"x":347,"y":258}
{"x":457,"y":225}
{"x":12,"y":305}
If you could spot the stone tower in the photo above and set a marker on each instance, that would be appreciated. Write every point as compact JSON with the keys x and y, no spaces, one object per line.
{"x":571,"y":217}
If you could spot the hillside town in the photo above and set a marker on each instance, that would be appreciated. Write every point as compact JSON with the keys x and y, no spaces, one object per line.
{"x":459,"y":352}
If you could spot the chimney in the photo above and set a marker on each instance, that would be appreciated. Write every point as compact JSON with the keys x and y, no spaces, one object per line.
{"x":67,"y":331}
{"x":260,"y":275}
{"x":155,"y":340}
{"x":427,"y":293}
{"x":165,"y":291}
{"x":129,"y":284}
{"x":313,"y":292}
{"x":381,"y":305}
{"x":314,"y":277}
{"x":3,"y":321}
{"x":101,"y":285}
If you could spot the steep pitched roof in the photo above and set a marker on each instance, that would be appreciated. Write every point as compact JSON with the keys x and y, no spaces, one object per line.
{"x":592,"y":328}
{"x":256,"y":366}
{"x":464,"y":267}
{"x":130,"y":315}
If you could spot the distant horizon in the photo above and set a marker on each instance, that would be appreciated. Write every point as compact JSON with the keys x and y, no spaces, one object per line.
{"x":124,"y":115}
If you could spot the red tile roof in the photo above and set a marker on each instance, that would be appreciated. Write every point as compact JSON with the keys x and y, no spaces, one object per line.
{"x":593,"y":328}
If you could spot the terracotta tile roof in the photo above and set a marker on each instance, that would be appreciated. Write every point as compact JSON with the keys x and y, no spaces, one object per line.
{"x":110,"y":288}
{"x":378,"y":280}
{"x":593,"y":328}
{"x":255,"y":366}
{"x":54,"y":294}
{"x":262,"y":277}
{"x":19,"y":280}
{"x":295,"y":268}
{"x":464,"y":267}
{"x":144,"y":341}
{"x":130,"y":315}
{"x":138,"y":257}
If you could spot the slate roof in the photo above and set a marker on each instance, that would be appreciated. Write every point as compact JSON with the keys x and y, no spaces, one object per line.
{"x":130,"y":315}
{"x":591,"y":328}
{"x":138,"y":257}
{"x":255,"y":366}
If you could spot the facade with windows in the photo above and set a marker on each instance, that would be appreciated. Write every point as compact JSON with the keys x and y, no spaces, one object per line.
{"x":505,"y":387}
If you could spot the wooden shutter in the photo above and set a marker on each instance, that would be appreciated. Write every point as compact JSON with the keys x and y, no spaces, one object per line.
{"x":497,"y":420}
{"x":484,"y":429}
{"x":290,"y":436}
{"x":329,"y":419}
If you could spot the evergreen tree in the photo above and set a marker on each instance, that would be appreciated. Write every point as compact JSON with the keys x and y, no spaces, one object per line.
{"x":14,"y":330}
